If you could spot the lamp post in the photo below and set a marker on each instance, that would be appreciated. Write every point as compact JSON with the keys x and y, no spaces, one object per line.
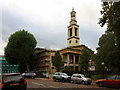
{"x":103,"y":66}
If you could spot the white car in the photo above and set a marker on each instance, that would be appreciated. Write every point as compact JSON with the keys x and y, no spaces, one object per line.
{"x":80,"y":78}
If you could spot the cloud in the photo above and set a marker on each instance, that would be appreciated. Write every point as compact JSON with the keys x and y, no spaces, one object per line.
{"x":47,"y":20}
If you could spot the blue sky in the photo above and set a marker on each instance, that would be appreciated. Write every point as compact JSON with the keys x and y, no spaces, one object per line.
{"x":47,"y":20}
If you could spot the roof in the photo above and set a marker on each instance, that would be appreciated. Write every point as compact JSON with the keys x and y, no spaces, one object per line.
{"x":76,"y":48}
{"x":11,"y":73}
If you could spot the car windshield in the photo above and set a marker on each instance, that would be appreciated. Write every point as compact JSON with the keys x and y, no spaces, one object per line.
{"x":82,"y":75}
{"x":12,"y":77}
{"x":64,"y":74}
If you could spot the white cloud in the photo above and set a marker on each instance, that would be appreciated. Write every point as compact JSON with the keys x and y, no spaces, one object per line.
{"x":48,"y":20}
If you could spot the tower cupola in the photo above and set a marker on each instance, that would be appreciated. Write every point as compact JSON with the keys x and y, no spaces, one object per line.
{"x":73,"y":30}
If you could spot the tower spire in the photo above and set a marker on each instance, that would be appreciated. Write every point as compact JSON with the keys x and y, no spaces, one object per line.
{"x":72,"y":8}
{"x":73,"y":30}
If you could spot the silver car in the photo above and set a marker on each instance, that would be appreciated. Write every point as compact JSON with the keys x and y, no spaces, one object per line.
{"x":80,"y":78}
{"x":61,"y":76}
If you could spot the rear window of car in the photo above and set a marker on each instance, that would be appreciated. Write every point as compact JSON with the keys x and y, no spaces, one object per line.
{"x":118,"y":77}
{"x":64,"y":74}
{"x":112,"y":77}
{"x":0,"y":79}
{"x":12,"y":77}
{"x":30,"y":74}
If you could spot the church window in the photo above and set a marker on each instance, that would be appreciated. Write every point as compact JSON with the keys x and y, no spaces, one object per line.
{"x":76,"y":59}
{"x":75,"y":31}
{"x":71,"y":59}
{"x":70,"y":31}
{"x":70,"y":41}
{"x":76,"y":41}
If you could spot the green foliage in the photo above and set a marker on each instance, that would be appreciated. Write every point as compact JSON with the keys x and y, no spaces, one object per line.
{"x":20,"y":48}
{"x":84,"y":59}
{"x":107,"y":53}
{"x":96,"y":77}
{"x":57,"y":61}
{"x":111,"y":15}
{"x":109,"y":44}
{"x":69,"y":70}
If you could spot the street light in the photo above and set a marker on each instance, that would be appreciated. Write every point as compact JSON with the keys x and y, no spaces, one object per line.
{"x":103,"y":69}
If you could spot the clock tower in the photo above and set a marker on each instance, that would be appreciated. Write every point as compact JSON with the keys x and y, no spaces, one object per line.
{"x":73,"y":31}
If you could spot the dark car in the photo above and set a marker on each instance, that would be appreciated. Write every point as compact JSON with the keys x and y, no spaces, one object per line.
{"x":13,"y":81}
{"x":29,"y":75}
{"x":113,"y":81}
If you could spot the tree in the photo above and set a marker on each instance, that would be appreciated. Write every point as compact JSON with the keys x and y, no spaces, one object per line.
{"x":106,"y":53}
{"x":69,"y":70}
{"x":84,"y":59}
{"x":111,"y":16}
{"x":57,"y":61}
{"x":20,"y":49}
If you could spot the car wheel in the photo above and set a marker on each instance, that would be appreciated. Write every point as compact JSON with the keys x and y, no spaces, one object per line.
{"x":74,"y":82}
{"x":71,"y":81}
{"x":54,"y":79}
{"x":22,"y":89}
{"x":63,"y":79}
{"x":101,"y":84}
{"x":32,"y":77}
{"x":83,"y":82}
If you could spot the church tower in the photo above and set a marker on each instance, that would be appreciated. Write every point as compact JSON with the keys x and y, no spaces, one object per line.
{"x":73,"y":31}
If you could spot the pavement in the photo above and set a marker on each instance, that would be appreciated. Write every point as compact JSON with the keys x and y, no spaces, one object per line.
{"x":45,"y":83}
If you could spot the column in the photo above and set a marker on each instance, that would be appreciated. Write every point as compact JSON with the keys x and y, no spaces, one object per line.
{"x":68,"y":59}
{"x":74,"y":61}
{"x":62,"y":56}
{"x":79,"y":61}
{"x":73,"y":31}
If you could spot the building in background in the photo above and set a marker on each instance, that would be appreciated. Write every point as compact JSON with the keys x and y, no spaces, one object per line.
{"x":70,"y":55}
{"x":7,"y":68}
{"x":43,"y":62}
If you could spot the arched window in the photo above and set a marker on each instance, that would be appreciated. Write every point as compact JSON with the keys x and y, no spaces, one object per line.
{"x":70,"y":31}
{"x":75,"y":31}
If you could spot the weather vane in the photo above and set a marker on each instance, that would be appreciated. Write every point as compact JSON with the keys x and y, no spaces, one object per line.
{"x":72,"y":8}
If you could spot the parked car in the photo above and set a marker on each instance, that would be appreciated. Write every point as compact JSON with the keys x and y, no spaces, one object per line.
{"x":13,"y":80}
{"x":61,"y":76}
{"x":113,"y":81}
{"x":80,"y":78}
{"x":29,"y":75}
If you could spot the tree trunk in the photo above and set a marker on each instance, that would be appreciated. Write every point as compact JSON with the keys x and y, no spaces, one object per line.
{"x":27,"y":66}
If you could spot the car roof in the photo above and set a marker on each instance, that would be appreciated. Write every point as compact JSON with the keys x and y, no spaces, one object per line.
{"x":77,"y":74}
{"x":10,"y":73}
{"x":59,"y":72}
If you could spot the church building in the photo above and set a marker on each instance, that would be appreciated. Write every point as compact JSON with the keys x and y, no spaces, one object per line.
{"x":71,"y":54}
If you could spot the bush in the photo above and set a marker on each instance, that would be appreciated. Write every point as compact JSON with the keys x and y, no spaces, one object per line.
{"x":96,"y":77}
{"x":69,"y":71}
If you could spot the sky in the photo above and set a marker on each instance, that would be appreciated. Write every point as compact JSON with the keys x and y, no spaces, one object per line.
{"x":47,"y":20}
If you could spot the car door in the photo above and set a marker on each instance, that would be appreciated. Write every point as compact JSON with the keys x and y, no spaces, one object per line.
{"x":117,"y":82}
{"x":74,"y":78}
{"x":79,"y":79}
{"x":58,"y":76}
{"x":110,"y":81}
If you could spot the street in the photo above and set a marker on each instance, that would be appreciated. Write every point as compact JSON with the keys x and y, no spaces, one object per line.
{"x":41,"y":83}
